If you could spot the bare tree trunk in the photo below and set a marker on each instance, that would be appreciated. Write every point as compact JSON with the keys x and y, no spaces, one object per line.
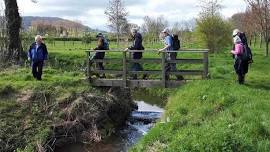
{"x":250,"y":41}
{"x":117,"y":37}
{"x":261,"y":40}
{"x":255,"y":39}
{"x":13,"y":18}
{"x":267,"y":48}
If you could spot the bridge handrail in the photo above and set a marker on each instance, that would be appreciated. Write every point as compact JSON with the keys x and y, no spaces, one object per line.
{"x":149,"y":51}
{"x":125,"y":60}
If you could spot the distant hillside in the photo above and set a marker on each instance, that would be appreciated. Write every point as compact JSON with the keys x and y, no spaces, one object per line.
{"x":28,"y":20}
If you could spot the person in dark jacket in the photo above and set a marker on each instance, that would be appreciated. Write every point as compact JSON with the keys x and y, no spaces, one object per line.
{"x":37,"y":54}
{"x":137,"y":45}
{"x":100,"y":55}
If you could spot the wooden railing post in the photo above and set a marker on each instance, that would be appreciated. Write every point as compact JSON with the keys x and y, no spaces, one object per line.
{"x":124,"y":69}
{"x":205,"y":65}
{"x":88,"y":55}
{"x":163,"y":66}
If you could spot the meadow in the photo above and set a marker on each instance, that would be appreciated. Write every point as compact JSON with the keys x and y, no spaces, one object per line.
{"x":217,"y":114}
{"x":204,"y":115}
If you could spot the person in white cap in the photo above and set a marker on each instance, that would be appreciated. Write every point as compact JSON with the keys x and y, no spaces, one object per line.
{"x":239,"y":63}
{"x":242,"y":36}
{"x":168,"y":42}
{"x":240,"y":49}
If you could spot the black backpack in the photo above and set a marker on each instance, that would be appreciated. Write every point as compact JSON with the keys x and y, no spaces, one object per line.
{"x":176,"y":42}
{"x":247,"y":54}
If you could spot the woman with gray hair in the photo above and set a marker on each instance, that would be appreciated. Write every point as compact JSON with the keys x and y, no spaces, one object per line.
{"x":37,"y":54}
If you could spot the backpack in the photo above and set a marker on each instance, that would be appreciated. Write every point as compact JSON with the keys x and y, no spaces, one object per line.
{"x":243,"y":38}
{"x":176,"y":42}
{"x":247,"y":54}
{"x":106,"y":44}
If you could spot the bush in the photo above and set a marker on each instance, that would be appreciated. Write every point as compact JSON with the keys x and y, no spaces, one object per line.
{"x":214,"y":32}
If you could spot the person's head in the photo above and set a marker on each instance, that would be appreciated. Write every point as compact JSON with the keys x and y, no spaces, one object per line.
{"x":38,"y":39}
{"x":236,"y":32}
{"x":237,"y":40}
{"x":99,"y":35}
{"x":134,"y":31}
{"x":165,"y":32}
{"x":100,"y":42}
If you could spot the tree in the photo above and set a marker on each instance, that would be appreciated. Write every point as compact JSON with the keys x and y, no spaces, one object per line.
{"x":13,"y":24}
{"x":3,"y":34}
{"x":184,"y":30}
{"x":212,"y":29}
{"x":261,"y":11}
{"x":247,"y":23}
{"x":153,"y":26}
{"x":117,"y":14}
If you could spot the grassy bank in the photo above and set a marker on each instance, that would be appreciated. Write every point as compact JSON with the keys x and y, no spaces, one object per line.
{"x":217,"y":114}
{"x":62,"y":108}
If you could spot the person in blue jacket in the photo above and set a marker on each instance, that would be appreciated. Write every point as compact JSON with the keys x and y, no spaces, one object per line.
{"x":168,"y":46}
{"x":37,"y":54}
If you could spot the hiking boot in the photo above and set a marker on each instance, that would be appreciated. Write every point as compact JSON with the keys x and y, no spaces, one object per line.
{"x":145,"y":77}
{"x":102,"y":76}
{"x":180,"y":78}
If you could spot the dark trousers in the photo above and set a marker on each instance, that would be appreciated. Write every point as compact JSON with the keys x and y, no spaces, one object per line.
{"x":37,"y":68}
{"x":172,"y":66}
{"x":136,"y":67}
{"x":100,"y":66}
{"x":241,"y":69}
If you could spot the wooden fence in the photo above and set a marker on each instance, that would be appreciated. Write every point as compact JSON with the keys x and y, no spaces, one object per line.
{"x":124,"y":59}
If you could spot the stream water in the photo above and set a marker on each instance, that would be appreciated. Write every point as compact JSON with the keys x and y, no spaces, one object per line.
{"x":139,"y":123}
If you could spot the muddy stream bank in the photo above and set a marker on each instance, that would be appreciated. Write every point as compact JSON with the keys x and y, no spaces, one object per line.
{"x":140,"y":121}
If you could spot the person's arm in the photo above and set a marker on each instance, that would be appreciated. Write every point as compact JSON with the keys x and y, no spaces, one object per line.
{"x":165,"y":48}
{"x":29,"y":54}
{"x":237,"y":50}
{"x":168,"y":42}
{"x":45,"y":52}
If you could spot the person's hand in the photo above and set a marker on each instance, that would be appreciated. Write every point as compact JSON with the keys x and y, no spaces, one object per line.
{"x":160,"y":50}
{"x":126,"y":50}
{"x":29,"y":59}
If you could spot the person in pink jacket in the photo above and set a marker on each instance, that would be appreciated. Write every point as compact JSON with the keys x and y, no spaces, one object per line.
{"x":238,"y":46}
{"x":239,"y":63}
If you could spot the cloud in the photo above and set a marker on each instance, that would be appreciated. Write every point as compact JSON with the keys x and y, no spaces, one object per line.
{"x":91,"y":12}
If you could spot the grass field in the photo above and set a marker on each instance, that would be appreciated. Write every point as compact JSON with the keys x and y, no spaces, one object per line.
{"x":212,"y":115}
{"x":217,"y":114}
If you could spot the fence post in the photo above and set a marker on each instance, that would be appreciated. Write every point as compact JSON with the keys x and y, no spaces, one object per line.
{"x":88,"y":65}
{"x":163,"y":69}
{"x":205,"y":65}
{"x":124,"y":69}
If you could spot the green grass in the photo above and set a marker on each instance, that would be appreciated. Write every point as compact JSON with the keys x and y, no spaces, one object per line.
{"x":217,"y":114}
{"x":213,"y":115}
{"x":24,"y":124}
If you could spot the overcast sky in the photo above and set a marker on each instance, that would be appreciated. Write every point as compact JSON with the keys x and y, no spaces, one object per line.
{"x":91,"y":12}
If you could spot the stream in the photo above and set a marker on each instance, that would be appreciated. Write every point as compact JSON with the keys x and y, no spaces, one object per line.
{"x":139,"y":123}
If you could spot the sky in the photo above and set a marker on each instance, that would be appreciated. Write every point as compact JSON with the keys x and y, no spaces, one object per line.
{"x":91,"y":12}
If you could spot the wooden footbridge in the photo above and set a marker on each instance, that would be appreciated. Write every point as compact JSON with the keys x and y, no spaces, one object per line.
{"x":118,"y":72}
